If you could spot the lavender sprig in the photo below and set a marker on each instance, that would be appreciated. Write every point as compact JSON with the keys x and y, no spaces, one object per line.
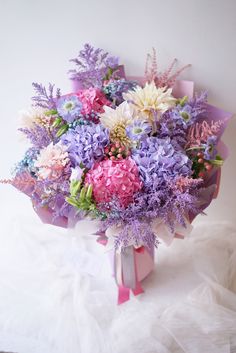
{"x":92,"y":66}
{"x":45,"y":98}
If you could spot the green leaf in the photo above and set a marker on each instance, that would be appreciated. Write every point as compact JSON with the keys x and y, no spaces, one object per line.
{"x":74,"y":187}
{"x":62,"y":130}
{"x":72,"y":201}
{"x":89,"y":192}
{"x":217,"y":162}
{"x":183,"y":101}
{"x":57,"y":122}
{"x":82,"y":194}
{"x":51,"y":112}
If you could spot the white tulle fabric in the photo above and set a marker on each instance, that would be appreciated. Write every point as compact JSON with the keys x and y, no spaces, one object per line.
{"x":57,"y":294}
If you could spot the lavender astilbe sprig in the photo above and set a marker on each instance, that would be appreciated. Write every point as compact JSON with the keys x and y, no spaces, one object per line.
{"x":45,"y":98}
{"x":198,"y":105}
{"x":92,"y":66}
{"x":136,"y":232}
{"x":169,"y":199}
{"x":39,"y":136}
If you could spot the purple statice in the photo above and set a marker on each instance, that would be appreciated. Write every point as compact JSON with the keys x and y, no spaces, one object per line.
{"x":136,"y":232}
{"x":170,"y":200}
{"x":39,"y":136}
{"x":138,"y":130}
{"x":85,"y":144}
{"x":69,"y":107}
{"x":92,"y":65}
{"x":210,"y":151}
{"x":51,"y":194}
{"x":114,"y":89}
{"x":195,"y":108}
{"x":157,"y":159}
{"x":45,"y":98}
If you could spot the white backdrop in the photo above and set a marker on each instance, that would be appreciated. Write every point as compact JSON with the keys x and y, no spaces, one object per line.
{"x":38,"y":37}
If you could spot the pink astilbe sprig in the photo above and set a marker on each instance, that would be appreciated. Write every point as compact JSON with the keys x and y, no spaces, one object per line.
{"x":161,"y":79}
{"x":22,"y":181}
{"x":200,"y":132}
{"x":183,"y":184}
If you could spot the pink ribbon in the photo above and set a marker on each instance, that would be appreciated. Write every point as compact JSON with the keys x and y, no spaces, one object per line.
{"x":131,"y":282}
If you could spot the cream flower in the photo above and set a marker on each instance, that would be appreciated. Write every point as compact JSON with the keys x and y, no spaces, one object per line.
{"x":122,"y":114}
{"x":116,"y":120}
{"x":34,"y":115}
{"x":149,"y":99}
{"x":52,"y":161}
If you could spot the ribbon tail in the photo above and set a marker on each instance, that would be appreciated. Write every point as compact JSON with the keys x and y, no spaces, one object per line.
{"x":138,"y":290}
{"x":123,"y":294}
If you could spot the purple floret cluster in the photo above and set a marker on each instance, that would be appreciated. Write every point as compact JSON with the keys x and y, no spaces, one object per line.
{"x":85,"y":144}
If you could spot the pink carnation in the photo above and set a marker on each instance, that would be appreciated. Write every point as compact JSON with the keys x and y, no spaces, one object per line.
{"x":93,"y":100}
{"x":118,"y":180}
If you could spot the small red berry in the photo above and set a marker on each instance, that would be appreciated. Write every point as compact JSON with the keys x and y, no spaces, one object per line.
{"x":208,"y":167}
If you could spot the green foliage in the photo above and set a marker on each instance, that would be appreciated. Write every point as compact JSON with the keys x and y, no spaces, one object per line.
{"x":62,"y":130}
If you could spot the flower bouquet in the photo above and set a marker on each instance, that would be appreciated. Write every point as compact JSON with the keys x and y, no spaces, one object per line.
{"x":142,"y":155}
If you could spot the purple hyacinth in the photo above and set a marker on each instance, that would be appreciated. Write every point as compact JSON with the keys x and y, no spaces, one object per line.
{"x":85,"y":144}
{"x":69,"y":107}
{"x":157,"y":159}
{"x":138,"y":130}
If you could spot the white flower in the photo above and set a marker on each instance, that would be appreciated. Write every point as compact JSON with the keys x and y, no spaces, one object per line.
{"x":123,"y":114}
{"x":116,"y":120}
{"x":51,"y":161}
{"x":148,"y":99}
{"x":33,"y":115}
{"x":76,"y":174}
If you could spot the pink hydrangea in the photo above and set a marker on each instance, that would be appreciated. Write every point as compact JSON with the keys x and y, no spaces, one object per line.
{"x":114,"y":180}
{"x":93,"y":100}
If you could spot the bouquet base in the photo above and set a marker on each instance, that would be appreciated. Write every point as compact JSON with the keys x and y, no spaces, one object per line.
{"x":131,"y":266}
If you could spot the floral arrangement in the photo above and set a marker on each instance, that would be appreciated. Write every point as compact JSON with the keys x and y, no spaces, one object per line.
{"x":133,"y":153}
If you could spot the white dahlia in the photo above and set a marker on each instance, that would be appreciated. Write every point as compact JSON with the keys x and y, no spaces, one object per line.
{"x":116,"y":120}
{"x":34,"y":115}
{"x":150,"y":99}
